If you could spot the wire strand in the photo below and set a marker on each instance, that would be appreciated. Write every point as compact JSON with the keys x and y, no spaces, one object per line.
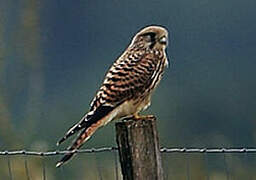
{"x":187,"y":168}
{"x":43,"y":169}
{"x":226,"y":165}
{"x":98,"y":166}
{"x":116,"y":165}
{"x":207,"y":166}
{"x":111,"y":149}
{"x":9,"y":168}
{"x":26,"y":167}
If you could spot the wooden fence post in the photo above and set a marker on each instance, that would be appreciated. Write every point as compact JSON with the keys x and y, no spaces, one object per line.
{"x":139,"y":150}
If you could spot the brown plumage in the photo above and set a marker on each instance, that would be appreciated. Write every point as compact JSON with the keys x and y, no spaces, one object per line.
{"x":127,"y":87}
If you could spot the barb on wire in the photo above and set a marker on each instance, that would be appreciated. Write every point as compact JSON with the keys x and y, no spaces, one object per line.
{"x":111,"y":149}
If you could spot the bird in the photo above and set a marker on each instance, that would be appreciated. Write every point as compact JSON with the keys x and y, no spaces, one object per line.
{"x":127,"y":87}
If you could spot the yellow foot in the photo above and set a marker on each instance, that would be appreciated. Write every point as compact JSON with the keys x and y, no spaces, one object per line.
{"x":145,"y":117}
{"x":127,"y":118}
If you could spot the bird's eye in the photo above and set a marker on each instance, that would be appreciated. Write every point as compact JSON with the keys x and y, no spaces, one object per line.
{"x":163,"y":40}
{"x":150,"y":36}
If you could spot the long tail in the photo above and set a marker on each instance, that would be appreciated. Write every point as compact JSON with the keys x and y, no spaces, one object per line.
{"x":88,"y":124}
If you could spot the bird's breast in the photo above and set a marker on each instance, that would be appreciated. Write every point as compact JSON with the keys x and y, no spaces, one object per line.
{"x":133,"y":106}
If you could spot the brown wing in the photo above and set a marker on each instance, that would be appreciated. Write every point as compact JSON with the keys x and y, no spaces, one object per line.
{"x":129,"y":77}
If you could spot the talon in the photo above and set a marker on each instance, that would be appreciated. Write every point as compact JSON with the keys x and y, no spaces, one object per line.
{"x":127,"y":118}
{"x":150,"y":117}
{"x":137,"y":117}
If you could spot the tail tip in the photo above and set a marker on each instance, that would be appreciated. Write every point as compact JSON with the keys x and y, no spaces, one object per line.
{"x":61,"y":140}
{"x":59,"y":164}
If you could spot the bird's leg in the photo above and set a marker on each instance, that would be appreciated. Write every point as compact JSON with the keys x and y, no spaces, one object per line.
{"x":127,"y":118}
{"x":137,"y":117}
{"x":142,"y":117}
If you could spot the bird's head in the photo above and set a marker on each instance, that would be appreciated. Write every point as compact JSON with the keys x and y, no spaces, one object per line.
{"x":151,"y":37}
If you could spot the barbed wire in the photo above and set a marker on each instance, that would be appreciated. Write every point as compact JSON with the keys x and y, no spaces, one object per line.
{"x":111,"y":149}
{"x":166,"y":150}
{"x":58,"y":152}
{"x":208,"y":150}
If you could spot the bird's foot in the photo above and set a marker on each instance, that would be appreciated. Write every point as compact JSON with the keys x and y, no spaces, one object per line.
{"x":139,"y":117}
{"x":144,"y":117}
{"x":127,"y":118}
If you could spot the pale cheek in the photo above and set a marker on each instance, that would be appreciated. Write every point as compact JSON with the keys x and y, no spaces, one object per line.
{"x":166,"y":63}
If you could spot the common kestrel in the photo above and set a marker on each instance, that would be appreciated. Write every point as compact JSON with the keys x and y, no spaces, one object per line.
{"x":127,"y":87}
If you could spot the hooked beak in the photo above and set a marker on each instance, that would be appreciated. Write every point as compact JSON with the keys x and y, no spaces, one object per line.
{"x":163,"y":40}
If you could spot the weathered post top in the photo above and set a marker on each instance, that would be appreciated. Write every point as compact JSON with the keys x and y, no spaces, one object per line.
{"x":139,"y":150}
